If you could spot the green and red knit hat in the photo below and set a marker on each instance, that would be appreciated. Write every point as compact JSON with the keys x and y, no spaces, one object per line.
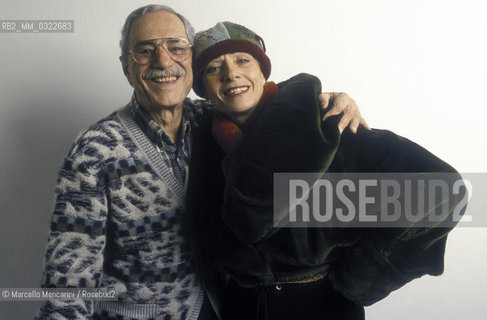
{"x":226,"y":37}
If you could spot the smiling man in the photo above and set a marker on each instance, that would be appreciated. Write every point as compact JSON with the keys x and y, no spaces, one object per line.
{"x":121,"y":190}
{"x":162,"y":82}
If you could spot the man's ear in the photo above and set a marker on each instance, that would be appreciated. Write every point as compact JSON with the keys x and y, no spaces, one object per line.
{"x":125,"y":68}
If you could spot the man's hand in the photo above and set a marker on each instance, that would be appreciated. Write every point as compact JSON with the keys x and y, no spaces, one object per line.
{"x":340,"y":102}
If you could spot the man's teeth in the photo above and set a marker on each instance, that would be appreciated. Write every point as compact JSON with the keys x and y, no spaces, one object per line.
{"x":164,"y":79}
{"x":235,"y":91}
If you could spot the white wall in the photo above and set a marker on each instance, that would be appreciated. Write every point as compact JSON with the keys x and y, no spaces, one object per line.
{"x":417,"y":67}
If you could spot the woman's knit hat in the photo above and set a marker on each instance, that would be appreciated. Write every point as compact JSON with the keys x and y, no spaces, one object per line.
{"x":226,"y":37}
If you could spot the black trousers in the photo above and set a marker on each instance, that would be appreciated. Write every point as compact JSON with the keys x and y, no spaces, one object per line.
{"x":313,"y":300}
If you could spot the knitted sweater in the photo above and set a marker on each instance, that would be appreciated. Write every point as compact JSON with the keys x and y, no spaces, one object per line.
{"x":116,"y":225}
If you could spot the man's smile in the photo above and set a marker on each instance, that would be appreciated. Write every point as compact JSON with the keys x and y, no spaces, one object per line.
{"x":165,"y":79}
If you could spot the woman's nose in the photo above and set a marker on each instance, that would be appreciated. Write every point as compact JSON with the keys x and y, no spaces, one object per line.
{"x":229,"y":73}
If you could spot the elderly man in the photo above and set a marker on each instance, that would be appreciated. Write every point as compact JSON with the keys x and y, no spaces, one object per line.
{"x":121,"y":189}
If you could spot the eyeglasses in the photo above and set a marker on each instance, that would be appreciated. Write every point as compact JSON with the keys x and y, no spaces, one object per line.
{"x":178,"y":49}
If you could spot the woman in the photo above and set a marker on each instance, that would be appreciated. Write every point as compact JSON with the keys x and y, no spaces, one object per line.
{"x":251,"y":270}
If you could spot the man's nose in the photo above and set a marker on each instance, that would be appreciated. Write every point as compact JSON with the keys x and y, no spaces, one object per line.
{"x":162,"y":58}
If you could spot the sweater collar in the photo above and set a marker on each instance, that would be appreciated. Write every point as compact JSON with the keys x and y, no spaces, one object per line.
{"x":154,"y":132}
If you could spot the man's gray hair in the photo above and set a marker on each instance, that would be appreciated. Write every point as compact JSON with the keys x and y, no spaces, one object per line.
{"x":124,"y":42}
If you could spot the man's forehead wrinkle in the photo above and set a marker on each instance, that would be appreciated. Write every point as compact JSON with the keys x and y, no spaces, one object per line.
{"x":137,"y":38}
{"x":149,"y":26}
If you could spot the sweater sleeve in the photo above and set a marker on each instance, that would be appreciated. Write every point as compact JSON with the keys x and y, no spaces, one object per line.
{"x":199,"y":110}
{"x":288,"y":137}
{"x":74,"y":255}
{"x":384,"y":259}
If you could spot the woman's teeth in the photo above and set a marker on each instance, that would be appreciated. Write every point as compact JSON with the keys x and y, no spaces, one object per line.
{"x":232,"y":92}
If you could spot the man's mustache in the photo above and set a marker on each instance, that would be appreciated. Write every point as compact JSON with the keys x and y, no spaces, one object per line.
{"x":170,"y":71}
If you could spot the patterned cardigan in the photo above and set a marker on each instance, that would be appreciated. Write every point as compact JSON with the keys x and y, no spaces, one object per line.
{"x":116,"y":225}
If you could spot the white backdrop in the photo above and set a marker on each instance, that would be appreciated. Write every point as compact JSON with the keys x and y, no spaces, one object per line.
{"x":417,"y":67}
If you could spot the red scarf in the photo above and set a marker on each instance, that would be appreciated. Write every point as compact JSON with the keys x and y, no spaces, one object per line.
{"x":233,"y":138}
